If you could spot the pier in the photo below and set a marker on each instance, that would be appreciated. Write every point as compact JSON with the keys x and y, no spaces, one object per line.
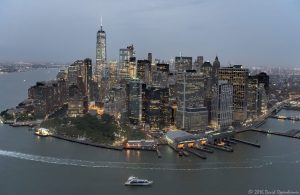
{"x":222,"y":148}
{"x":204,"y":149}
{"x":196,"y":153}
{"x":119,"y":148}
{"x":230,"y":141}
{"x":286,"y":134}
{"x":246,"y":142}
{"x":293,"y":132}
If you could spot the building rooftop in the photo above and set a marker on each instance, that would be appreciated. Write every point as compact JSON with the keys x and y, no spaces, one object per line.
{"x":180,"y":136}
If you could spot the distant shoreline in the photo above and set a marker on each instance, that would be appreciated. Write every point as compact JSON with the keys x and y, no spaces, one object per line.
{"x":27,"y":70}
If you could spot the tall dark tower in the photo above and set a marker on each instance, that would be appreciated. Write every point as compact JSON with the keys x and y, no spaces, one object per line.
{"x":150,"y":57}
{"x":215,"y":68}
{"x":216,"y":64}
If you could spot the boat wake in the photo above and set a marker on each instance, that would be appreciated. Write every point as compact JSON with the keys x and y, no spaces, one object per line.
{"x":138,"y":166}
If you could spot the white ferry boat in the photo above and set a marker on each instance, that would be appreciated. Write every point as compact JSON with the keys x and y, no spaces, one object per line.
{"x":42,"y":132}
{"x":134,"y":181}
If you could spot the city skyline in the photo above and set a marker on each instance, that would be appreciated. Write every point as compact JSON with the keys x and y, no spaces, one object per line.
{"x":237,"y":36}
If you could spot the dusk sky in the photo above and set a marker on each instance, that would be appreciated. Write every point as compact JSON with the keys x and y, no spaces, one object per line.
{"x":249,"y":32}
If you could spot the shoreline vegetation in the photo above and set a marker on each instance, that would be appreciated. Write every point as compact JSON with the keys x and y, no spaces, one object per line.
{"x":94,"y":130}
{"x":90,"y":128}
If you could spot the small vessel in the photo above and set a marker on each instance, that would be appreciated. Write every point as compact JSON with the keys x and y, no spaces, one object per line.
{"x":42,"y":132}
{"x":134,"y":181}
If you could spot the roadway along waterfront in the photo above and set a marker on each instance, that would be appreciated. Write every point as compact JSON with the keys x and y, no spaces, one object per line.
{"x":45,"y":165}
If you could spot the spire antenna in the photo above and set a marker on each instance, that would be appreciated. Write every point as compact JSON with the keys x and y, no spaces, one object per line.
{"x":101,"y":23}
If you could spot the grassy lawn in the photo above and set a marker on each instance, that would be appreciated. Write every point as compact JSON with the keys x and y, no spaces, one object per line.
{"x":101,"y":130}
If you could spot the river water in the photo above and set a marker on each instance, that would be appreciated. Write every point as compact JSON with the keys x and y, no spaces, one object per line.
{"x":33,"y":165}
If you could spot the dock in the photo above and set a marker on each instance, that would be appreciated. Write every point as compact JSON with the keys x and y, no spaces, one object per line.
{"x":196,"y":153}
{"x":293,"y":132}
{"x":222,"y":148}
{"x":245,"y":142}
{"x":231,"y":141}
{"x":204,"y":149}
{"x":286,"y":134}
{"x":119,"y":148}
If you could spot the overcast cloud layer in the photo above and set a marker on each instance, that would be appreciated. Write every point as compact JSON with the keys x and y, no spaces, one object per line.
{"x":249,"y":32}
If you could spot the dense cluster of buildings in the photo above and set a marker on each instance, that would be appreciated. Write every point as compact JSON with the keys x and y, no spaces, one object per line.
{"x":153,"y":94}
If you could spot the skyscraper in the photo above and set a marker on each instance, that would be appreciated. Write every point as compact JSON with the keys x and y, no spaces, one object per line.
{"x":252,"y":97}
{"x":206,"y":69}
{"x":183,"y":63}
{"x":238,"y":77}
{"x":198,"y":63}
{"x":126,"y":57}
{"x":134,"y":101}
{"x":150,"y":57}
{"x":89,"y":79}
{"x":101,"y":59}
{"x":79,"y":81}
{"x":191,"y":113}
{"x":221,"y":114}
{"x":157,"y":111}
{"x":144,"y":70}
{"x":160,"y":75}
{"x":216,"y":66}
